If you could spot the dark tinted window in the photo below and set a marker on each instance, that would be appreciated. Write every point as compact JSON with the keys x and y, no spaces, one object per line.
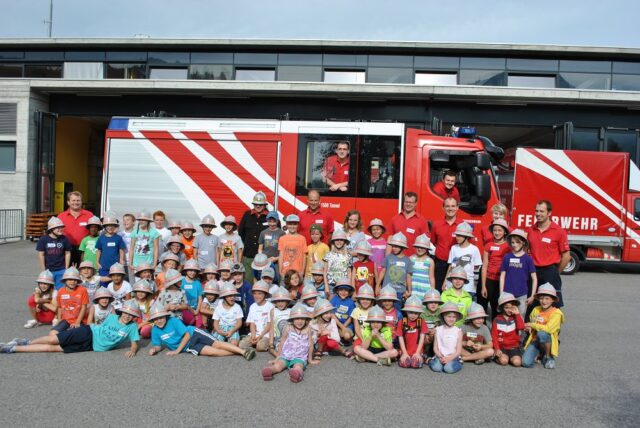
{"x":379,"y":169}
{"x":10,"y":70}
{"x":43,"y":71}
{"x":211,"y":58}
{"x":256,"y":58}
{"x":584,"y":81}
{"x":318,"y":164}
{"x":168,"y":57}
{"x":11,"y":54}
{"x":482,"y":77}
{"x":626,"y":67}
{"x":483,"y":63}
{"x":390,"y":61}
{"x":625,"y":82}
{"x":7,"y":156}
{"x":586,"y":66}
{"x":294,"y":73}
{"x":532,"y":64}
{"x":389,"y":75}
{"x":211,"y":72}
{"x":622,"y":141}
{"x":126,"y":56}
{"x":126,"y":71}
{"x":585,"y":139}
{"x":300,"y":59}
{"x":84,"y":56}
{"x":44,"y":55}
{"x":345,"y":60}
{"x":437,"y":62}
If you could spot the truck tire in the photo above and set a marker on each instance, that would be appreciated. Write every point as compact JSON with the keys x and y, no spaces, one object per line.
{"x":574,"y":264}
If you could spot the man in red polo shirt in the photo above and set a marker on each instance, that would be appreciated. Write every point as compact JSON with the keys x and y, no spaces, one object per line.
{"x":549,"y":246}
{"x":336,"y":168}
{"x":409,"y":222}
{"x":314,"y":215}
{"x":442,"y":236}
{"x":75,"y":224}
{"x":447,"y":187}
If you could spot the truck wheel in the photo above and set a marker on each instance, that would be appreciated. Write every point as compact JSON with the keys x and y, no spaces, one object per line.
{"x":573,"y":265}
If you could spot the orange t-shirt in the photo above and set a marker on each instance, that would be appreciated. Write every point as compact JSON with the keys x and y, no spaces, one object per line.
{"x":159,"y":282}
{"x":293,"y":249}
{"x":188,"y":247}
{"x":71,"y":302}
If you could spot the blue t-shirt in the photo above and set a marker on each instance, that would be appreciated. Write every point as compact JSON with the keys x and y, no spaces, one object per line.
{"x":244,"y":298}
{"x":518,"y":271}
{"x":343,"y":308}
{"x":171,"y":335}
{"x":396,"y":271}
{"x":54,"y":250}
{"x":193,"y":291}
{"x":111,"y":333}
{"x":110,"y":247}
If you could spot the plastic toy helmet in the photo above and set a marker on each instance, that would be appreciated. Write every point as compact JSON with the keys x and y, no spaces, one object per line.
{"x":502,"y":223}
{"x":366,"y":292}
{"x":388,"y":293}
{"x":292,"y":218}
{"x":210,"y":268}
{"x":268,"y":272}
{"x":260,"y":261}
{"x":94,"y":221}
{"x":144,"y":266}
{"x":102,"y":293}
{"x":413,"y":304}
{"x":422,"y":241}
{"x":376,"y":314}
{"x":363,"y":247}
{"x":464,"y":229}
{"x":398,"y":240}
{"x":299,"y":311}
{"x":547,"y":289}
{"x":317,"y":268}
{"x":187,"y":225}
{"x":281,"y":295}
{"x":376,"y":222}
{"x":144,"y":215}
{"x":458,"y":272}
{"x":110,"y":221}
{"x":171,"y":277}
{"x":229,"y":220}
{"x":46,"y":277}
{"x":450,"y":307}
{"x":54,"y":223}
{"x":191,"y":264}
{"x":174,"y":240}
{"x":261,"y":286}
{"x":174,"y":225}
{"x":432,"y":296}
{"x":475,"y":311}
{"x":322,"y":306}
{"x":157,"y":311}
{"x":237,"y":268}
{"x":259,"y":199}
{"x":339,"y":235}
{"x":506,"y":297}
{"x":71,"y":273}
{"x":343,"y":283}
{"x":130,"y":307}
{"x":143,"y":285}
{"x":519,"y":233}
{"x":87,"y":264}
{"x":171,"y":256}
{"x":211,"y":287}
{"x":308,"y":292}
{"x":116,"y":269}
{"x":225,"y":264}
{"x":228,"y":289}
{"x":208,"y":220}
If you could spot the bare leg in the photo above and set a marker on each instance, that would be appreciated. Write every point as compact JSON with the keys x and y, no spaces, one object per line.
{"x":277,"y":366}
{"x":39,"y":348}
{"x":474,"y":356}
{"x":228,"y":348}
{"x":366,"y":354}
{"x":516,"y":361}
{"x":503,"y":360}
{"x":46,"y":340}
{"x":210,"y":351}
{"x":388,"y":354}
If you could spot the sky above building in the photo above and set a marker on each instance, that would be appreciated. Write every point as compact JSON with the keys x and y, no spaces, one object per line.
{"x":565,"y":22}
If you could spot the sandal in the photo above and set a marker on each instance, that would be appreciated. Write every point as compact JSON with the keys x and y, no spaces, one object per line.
{"x":295,"y":375}
{"x":317,"y":355}
{"x":267,"y":373}
{"x":350,"y":355}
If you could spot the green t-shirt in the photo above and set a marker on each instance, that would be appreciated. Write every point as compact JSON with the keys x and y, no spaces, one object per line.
{"x":386,"y":332}
{"x":88,"y":246}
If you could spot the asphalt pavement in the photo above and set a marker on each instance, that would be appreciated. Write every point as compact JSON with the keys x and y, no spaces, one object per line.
{"x":596,"y":382}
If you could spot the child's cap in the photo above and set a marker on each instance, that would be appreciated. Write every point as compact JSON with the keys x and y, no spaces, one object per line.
{"x":46,"y":277}
{"x":376,"y":314}
{"x":339,"y":235}
{"x":172,"y":277}
{"x":94,"y":221}
{"x":228,"y":289}
{"x":237,"y":268}
{"x":292,"y":218}
{"x":170,"y":256}
{"x":365,"y":292}
{"x":363,"y":247}
{"x":144,"y":216}
{"x":110,"y":221}
{"x":458,"y":272}
{"x":398,"y":240}
{"x":322,"y":306}
{"x":208,"y":220}
{"x":376,"y":222}
{"x":500,"y":223}
{"x":229,"y":220}
{"x":130,"y":307}
{"x":144,"y":286}
{"x":174,"y":240}
{"x":102,"y":293}
{"x":260,"y":261}
{"x":308,"y":292}
{"x":143,"y":266}
{"x":71,"y":273}
{"x":315,"y":228}
{"x":268,"y":272}
{"x":547,"y":289}
{"x":273,"y":215}
{"x":475,"y":311}
{"x":423,"y":241}
{"x":187,"y":226}
{"x":520,"y":234}
{"x":450,"y":307}
{"x":226,"y":264}
{"x":211,"y":287}
{"x":191,"y":264}
{"x":317,"y":268}
{"x":281,"y":295}
{"x":261,"y":286}
{"x":157,"y":311}
{"x":432,"y":296}
{"x":210,"y":268}
{"x":344,"y":283}
{"x":464,"y":229}
{"x":505,"y":298}
{"x":54,"y":223}
{"x":413,"y":304}
{"x":299,"y":311}
{"x":388,"y":293}
{"x":87,"y":264}
{"x":259,"y":199}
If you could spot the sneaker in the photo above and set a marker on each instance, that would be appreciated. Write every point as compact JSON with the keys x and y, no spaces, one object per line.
{"x":384,"y":361}
{"x":19,"y":341}
{"x":8,"y":348}
{"x":55,"y":322}
{"x":31,"y":324}
{"x":479,"y":362}
{"x":550,"y":363}
{"x":249,"y":354}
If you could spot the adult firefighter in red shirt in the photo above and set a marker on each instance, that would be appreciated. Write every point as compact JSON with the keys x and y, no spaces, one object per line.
{"x":409,"y":222}
{"x":336,"y":168}
{"x":447,"y":187}
{"x":315,"y":215}
{"x":549,"y":246}
{"x":75,"y":224}
{"x":442,"y":236}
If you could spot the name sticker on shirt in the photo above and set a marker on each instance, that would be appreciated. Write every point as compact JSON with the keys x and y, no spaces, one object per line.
{"x":204,"y":252}
{"x":401,"y":264}
{"x":111,"y":244}
{"x":539,"y":320}
{"x":494,"y":248}
{"x":51,"y":245}
{"x":512,"y":260}
{"x":546,"y":240}
{"x":390,"y":318}
{"x":268,"y":236}
{"x":319,"y":221}
{"x":122,"y":333}
{"x":471,"y":335}
{"x":165,"y":336}
{"x":343,"y":308}
{"x":188,"y":286}
{"x":346,"y":173}
{"x":65,"y":297}
{"x":410,"y":230}
{"x":83,"y":223}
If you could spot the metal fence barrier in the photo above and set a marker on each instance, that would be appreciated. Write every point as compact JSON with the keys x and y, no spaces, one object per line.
{"x":11,"y":224}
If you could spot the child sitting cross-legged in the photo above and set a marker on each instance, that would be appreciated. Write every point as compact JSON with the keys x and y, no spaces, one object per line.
{"x":325,"y":330}
{"x":447,"y":345}
{"x":377,"y":339}
{"x":476,"y":337}
{"x":411,"y":332}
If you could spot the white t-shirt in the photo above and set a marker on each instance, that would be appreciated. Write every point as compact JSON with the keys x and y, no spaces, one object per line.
{"x":164,"y":233}
{"x":227,"y":316}
{"x":469,"y":258}
{"x":118,"y":296}
{"x":211,"y":305}
{"x":259,"y":315}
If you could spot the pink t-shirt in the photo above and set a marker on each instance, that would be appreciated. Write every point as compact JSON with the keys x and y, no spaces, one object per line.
{"x":378,"y":247}
{"x":447,"y":338}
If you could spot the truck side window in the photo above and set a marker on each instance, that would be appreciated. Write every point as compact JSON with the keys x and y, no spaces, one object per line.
{"x":326,"y":163}
{"x":379,"y":167}
{"x":636,"y":209}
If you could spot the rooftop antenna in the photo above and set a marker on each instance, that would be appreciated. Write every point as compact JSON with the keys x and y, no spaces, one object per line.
{"x":49,"y":21}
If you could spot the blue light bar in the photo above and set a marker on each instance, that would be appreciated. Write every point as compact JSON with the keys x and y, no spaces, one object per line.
{"x":467,"y":132}
{"x":119,"y":123}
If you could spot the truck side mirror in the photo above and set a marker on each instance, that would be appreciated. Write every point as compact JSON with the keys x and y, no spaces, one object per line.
{"x":483,"y":186}
{"x":483,"y":161}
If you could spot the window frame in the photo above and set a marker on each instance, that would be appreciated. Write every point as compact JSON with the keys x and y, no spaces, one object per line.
{"x":9,"y":143}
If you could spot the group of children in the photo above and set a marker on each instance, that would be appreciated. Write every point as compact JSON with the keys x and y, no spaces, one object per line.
{"x":372,"y":304}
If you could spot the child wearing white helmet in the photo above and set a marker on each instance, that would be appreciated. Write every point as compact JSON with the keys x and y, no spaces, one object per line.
{"x":90,"y":278}
{"x":224,"y":271}
{"x":292,"y":248}
{"x":338,"y":262}
{"x":110,"y":248}
{"x":365,"y":300}
{"x":423,"y":267}
{"x":175,"y":246}
{"x":397,"y":268}
{"x":118,"y":287}
{"x":231,"y":245}
{"x":259,"y":318}
{"x":279,"y":317}
{"x":145,"y":271}
{"x":505,"y":331}
{"x":88,"y":244}
{"x":206,"y":245}
{"x":101,"y":307}
{"x":316,"y":251}
{"x":193,"y":291}
{"x":411,"y":333}
{"x":227,"y":318}
{"x":268,"y":241}
{"x":431,"y":315}
{"x":308,"y":297}
{"x":457,"y":277}
{"x":172,"y":297}
{"x":40,"y":302}
{"x":447,"y":345}
{"x":543,"y":328}
{"x":71,"y":302}
{"x":364,"y":270}
{"x":378,"y":243}
{"x":494,"y":251}
{"x":477,"y":345}
{"x":145,"y":242}
{"x":244,"y":298}
{"x":98,"y":338}
{"x":377,"y":340}
{"x":143,"y":297}
{"x":517,"y":271}
{"x":325,"y":330}
{"x":54,"y":250}
{"x":208,"y":304}
{"x":128,"y":222}
{"x":344,"y":308}
{"x":168,"y":332}
{"x":387,"y":299}
{"x":466,"y":255}
{"x":295,"y":348}
{"x":187,"y":230}
{"x":317,"y":279}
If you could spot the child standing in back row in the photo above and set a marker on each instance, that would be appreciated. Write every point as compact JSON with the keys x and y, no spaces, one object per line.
{"x":466,"y":255}
{"x":422,"y":273}
{"x":110,"y":248}
{"x":378,"y":243}
{"x":231,"y":245}
{"x":88,"y":244}
{"x":516,"y":269}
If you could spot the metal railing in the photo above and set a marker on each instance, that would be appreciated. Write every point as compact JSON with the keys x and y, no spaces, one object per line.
{"x":11,"y":224}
